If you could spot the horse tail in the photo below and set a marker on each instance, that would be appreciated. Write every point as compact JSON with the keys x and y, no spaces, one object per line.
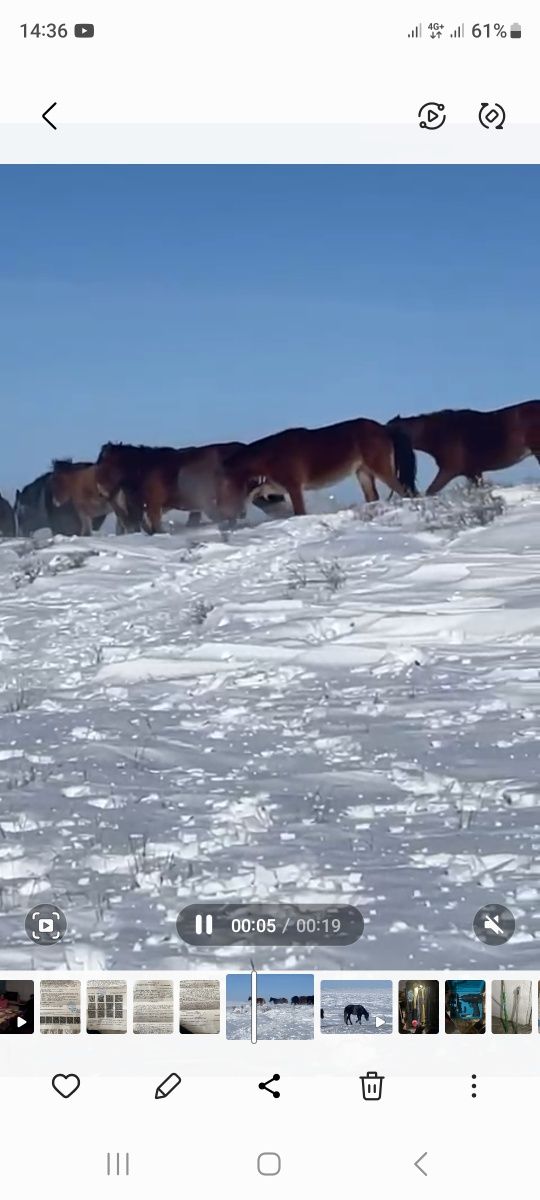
{"x":404,"y":459}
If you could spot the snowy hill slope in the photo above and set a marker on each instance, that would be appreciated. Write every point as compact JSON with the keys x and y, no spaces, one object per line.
{"x":342,"y":707}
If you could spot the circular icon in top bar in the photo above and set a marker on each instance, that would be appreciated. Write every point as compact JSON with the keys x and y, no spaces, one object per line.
{"x":492,"y":116}
{"x":432,"y":115}
{"x":45,"y":924}
{"x":494,"y":924}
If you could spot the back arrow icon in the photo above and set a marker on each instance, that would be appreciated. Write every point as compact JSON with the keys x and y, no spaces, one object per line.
{"x":48,"y":110}
{"x":419,"y":1160}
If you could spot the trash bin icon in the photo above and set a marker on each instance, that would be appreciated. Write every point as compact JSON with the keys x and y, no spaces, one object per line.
{"x":372,"y":1085}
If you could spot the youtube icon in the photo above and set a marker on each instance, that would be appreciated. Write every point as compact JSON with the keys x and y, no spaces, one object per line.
{"x":84,"y":31}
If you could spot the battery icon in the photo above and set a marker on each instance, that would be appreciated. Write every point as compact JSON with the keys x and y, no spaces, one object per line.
{"x":515,"y":31}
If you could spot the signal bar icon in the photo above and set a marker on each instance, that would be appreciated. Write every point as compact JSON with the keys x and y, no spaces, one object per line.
{"x":416,"y":32}
{"x":208,"y":922}
{"x":459,"y":32}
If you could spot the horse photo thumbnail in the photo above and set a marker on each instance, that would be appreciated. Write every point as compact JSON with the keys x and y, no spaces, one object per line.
{"x":284,"y":1007}
{"x":353,"y":1006}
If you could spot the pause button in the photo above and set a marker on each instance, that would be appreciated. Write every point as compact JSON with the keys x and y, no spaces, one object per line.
{"x":206,"y":921}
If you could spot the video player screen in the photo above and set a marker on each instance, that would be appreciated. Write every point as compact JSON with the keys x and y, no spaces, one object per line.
{"x":269,"y":620}
{"x":242,"y":707}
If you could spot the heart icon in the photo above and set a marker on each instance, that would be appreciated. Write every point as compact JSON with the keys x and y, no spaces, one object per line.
{"x":66,"y":1085}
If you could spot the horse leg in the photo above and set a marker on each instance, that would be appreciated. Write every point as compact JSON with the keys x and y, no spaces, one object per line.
{"x":382,"y":466}
{"x":391,"y":480}
{"x":121,"y":519}
{"x":153,"y":507}
{"x":152,"y":518}
{"x":127,"y":510}
{"x":297,"y":499}
{"x":86,"y":524}
{"x":444,"y":475}
{"x":366,"y":480}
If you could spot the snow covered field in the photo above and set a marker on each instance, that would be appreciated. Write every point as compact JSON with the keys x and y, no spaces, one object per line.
{"x":342,"y":706}
{"x":279,"y":1022}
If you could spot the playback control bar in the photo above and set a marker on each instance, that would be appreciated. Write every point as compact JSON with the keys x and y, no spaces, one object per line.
{"x":270,"y":925}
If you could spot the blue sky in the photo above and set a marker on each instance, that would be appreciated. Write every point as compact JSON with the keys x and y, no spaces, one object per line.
{"x":187,"y":304}
{"x":239,"y":986}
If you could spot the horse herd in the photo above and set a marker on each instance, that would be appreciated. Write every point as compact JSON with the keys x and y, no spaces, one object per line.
{"x":350,"y":1010}
{"x":283,"y":1000}
{"x":139,"y":483}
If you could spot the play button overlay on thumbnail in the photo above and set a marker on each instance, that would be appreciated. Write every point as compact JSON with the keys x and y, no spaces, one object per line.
{"x":432,"y":115}
{"x":16,"y":1006}
{"x":379,"y":1021}
{"x":494,"y":924}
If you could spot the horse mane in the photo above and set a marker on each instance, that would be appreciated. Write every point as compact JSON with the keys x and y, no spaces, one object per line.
{"x":452,"y":412}
{"x":67,"y":464}
{"x":440,"y":412}
{"x":131,"y":446}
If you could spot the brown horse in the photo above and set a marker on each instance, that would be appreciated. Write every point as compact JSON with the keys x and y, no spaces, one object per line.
{"x":7,"y":519}
{"x":75,"y":483}
{"x":468,"y":442}
{"x":313,"y":458}
{"x":160,"y":478}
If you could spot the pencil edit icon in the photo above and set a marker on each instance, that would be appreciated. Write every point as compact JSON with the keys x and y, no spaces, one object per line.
{"x":167,"y":1086}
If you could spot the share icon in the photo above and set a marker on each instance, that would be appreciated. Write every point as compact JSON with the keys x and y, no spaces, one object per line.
{"x":264,"y":1087}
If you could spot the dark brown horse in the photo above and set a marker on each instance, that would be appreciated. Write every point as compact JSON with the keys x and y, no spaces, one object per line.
{"x":35,"y":509}
{"x":313,"y":458}
{"x":147,"y":474}
{"x":468,"y":442}
{"x":355,"y":1010}
{"x":7,"y":519}
{"x":156,"y":479}
{"x":75,"y":483}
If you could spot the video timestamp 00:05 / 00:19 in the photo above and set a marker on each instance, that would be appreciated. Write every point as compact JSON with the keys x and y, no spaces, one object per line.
{"x":269,"y":925}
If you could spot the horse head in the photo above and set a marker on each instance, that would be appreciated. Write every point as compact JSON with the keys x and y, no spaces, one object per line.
{"x":107,"y":449}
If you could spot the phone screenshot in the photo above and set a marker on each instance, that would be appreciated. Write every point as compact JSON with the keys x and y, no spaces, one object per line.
{"x":269,"y":598}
